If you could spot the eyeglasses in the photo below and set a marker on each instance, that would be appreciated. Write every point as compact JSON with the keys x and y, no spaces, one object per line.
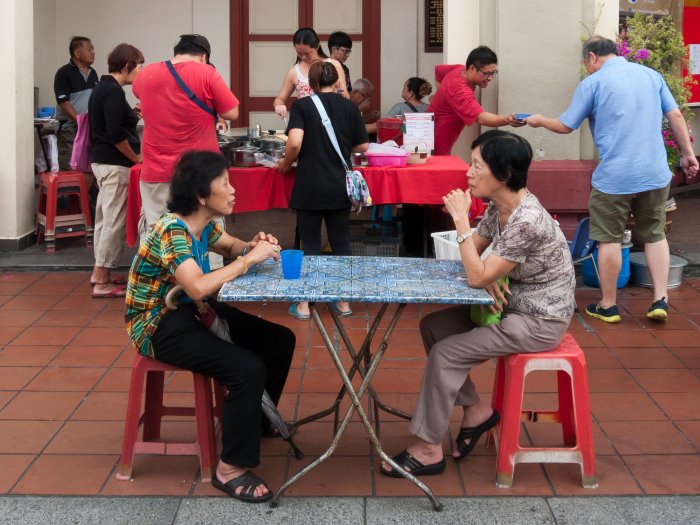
{"x":344,"y":50}
{"x":488,"y":74}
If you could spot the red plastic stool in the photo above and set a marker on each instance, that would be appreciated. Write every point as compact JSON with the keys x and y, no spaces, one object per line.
{"x":574,"y":412}
{"x":153,"y":372}
{"x":74,"y":222}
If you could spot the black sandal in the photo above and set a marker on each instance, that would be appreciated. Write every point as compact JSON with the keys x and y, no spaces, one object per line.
{"x":413,"y":466}
{"x":473,"y":434}
{"x":249,"y":481}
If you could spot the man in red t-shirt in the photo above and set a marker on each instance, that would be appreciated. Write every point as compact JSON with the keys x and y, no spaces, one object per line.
{"x":455,"y":105}
{"x":174,"y":124}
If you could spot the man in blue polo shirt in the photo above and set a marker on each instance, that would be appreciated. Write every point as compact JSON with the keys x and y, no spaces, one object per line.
{"x":625,"y":103}
{"x":72,"y":85}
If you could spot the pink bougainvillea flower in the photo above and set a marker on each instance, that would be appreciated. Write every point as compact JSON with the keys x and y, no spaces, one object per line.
{"x":641,"y":54}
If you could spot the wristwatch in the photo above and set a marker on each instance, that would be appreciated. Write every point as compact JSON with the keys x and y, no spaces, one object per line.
{"x":464,"y":236}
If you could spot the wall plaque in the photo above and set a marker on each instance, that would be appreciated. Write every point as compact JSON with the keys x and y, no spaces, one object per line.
{"x":433,"y":26}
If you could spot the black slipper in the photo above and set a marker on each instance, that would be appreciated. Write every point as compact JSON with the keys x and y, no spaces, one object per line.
{"x":473,"y":434}
{"x":413,"y":466}
{"x":249,"y":481}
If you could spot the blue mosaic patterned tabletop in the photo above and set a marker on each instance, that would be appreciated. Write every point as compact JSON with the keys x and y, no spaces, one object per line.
{"x":358,"y":279}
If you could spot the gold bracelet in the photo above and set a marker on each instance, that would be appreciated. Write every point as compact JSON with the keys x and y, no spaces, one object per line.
{"x":245,"y":264}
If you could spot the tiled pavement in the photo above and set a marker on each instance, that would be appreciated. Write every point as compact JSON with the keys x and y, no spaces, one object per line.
{"x":64,"y":377}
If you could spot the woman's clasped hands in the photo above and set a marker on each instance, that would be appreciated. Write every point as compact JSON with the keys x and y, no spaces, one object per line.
{"x":264,"y":246}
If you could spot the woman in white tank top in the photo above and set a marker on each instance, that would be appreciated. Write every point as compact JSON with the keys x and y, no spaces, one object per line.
{"x":308,"y":48}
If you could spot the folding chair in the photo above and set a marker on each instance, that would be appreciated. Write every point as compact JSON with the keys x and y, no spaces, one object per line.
{"x":582,"y":247}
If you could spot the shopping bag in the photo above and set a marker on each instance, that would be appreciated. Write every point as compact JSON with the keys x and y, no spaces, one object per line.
{"x":51,"y":145}
{"x":358,"y":192}
{"x":481,"y":315}
{"x":82,"y":146}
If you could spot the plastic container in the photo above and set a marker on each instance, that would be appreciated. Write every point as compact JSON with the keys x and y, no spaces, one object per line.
{"x":374,"y":159}
{"x":390,"y":128}
{"x":641,"y":276}
{"x":446,"y":246}
{"x":591,"y":279}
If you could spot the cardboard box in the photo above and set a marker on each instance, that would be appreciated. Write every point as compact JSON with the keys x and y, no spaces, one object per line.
{"x":661,"y":7}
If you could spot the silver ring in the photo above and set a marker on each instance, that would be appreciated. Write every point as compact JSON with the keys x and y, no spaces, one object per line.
{"x":277,"y":248}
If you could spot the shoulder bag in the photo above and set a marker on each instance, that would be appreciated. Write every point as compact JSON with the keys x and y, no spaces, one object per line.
{"x":355,"y":184}
{"x":188,"y":91}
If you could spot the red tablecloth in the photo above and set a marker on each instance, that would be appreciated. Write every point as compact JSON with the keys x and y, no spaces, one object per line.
{"x":259,"y":189}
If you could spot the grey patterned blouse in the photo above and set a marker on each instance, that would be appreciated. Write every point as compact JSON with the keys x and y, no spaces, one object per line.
{"x":543,"y":282}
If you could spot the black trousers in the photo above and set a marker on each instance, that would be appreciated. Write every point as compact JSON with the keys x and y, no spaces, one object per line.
{"x":259,"y":359}
{"x":337,"y":227}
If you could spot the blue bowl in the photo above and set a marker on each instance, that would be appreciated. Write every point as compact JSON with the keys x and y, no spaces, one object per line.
{"x":44,"y":114}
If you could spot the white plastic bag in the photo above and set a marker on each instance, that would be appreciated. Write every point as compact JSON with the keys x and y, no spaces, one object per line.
{"x":51,"y":146}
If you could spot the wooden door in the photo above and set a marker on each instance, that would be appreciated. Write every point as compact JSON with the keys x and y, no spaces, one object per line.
{"x":262,"y":51}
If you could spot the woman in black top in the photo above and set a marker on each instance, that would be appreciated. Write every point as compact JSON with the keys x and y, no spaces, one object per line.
{"x":115,"y":148}
{"x":319,"y":192}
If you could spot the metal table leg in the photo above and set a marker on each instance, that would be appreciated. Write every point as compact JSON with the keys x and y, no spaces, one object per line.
{"x":356,"y":406}
{"x":363,"y":354}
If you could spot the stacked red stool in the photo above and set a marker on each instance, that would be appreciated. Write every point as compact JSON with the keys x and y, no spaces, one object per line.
{"x":574,"y":412}
{"x":52,"y":223}
{"x":151,"y":374}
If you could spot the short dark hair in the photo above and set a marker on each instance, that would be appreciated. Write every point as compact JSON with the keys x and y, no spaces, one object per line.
{"x":339,"y":39}
{"x":599,"y":46}
{"x":507,"y":155}
{"x":75,"y":43}
{"x":481,"y":56}
{"x":322,"y":74}
{"x":193,"y":45}
{"x":419,"y":86}
{"x":124,"y":56}
{"x":194,"y":173}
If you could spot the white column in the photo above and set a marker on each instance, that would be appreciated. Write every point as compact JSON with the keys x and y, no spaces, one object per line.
{"x":462,"y":29}
{"x":16,"y":107}
{"x":462,"y":33}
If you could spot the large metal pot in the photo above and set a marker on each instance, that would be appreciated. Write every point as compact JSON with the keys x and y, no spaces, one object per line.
{"x":268,"y":144}
{"x":244,"y":157}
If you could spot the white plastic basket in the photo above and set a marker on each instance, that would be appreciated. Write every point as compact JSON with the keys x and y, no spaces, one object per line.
{"x":446,"y":246}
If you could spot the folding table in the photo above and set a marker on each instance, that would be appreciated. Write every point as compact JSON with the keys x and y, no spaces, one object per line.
{"x":385,"y":280}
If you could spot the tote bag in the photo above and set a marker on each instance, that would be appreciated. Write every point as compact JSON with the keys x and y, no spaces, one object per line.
{"x":80,"y":157}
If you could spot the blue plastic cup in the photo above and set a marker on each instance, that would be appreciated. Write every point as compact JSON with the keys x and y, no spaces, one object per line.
{"x":291,"y":263}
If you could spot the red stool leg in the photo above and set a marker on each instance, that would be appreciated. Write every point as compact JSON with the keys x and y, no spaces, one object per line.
{"x":51,"y":206}
{"x":582,"y":419}
{"x":133,"y":417}
{"x":509,"y":428}
{"x":566,"y":408}
{"x":205,"y":425}
{"x":153,"y":405}
{"x":497,"y":394}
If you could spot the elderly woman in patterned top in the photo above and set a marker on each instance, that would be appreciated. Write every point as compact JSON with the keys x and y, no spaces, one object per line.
{"x":536,"y":305}
{"x":177,"y":252}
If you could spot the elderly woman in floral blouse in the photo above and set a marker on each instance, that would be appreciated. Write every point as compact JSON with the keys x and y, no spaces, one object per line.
{"x":536,"y":306}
